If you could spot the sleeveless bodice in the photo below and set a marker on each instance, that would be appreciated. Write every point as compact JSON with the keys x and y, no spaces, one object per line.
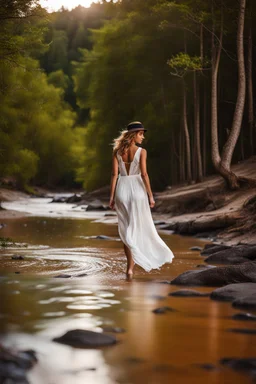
{"x":134,"y":165}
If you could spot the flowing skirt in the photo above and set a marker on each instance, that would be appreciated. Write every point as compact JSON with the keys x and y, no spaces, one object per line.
{"x":135,"y":224}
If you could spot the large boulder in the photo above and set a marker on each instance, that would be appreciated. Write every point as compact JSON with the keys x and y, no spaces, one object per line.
{"x":74,"y":199}
{"x":210,"y":249}
{"x":188,"y":293}
{"x":233,"y":255}
{"x":80,"y":338}
{"x":246,"y":302}
{"x":96,"y":207}
{"x":247,"y":364}
{"x":219,"y":276}
{"x":15,"y":364}
{"x":232,"y":292}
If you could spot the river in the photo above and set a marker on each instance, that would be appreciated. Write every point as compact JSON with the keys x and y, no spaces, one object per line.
{"x":36,"y":306}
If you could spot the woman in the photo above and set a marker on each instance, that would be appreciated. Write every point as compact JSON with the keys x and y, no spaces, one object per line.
{"x":131,"y":196}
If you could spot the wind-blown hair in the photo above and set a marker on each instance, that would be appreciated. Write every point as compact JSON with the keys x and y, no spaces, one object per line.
{"x":123,"y":142}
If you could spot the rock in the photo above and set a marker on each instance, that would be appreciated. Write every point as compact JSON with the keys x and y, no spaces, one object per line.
{"x":208,"y":367}
{"x":81,"y":275}
{"x":162,"y":310}
{"x":210,"y":245}
{"x":232,"y":292}
{"x":159,"y":222}
{"x":17,"y":257}
{"x":113,"y":329}
{"x":74,"y":199}
{"x":80,"y":338}
{"x":164,"y":282}
{"x":96,"y":207}
{"x":209,"y":223}
{"x":14,"y":364}
{"x":63,"y":276}
{"x":196,"y":248}
{"x":59,"y":200}
{"x":210,"y":249}
{"x":11,"y":373}
{"x":157,"y":297}
{"x":203,"y":223}
{"x":246,"y":302}
{"x":244,"y":364}
{"x":209,"y":235}
{"x":244,"y":317}
{"x":215,"y":259}
{"x":218,"y":276}
{"x":188,"y":293}
{"x":243,"y":330}
{"x":27,"y":359}
{"x":103,"y":237}
{"x":233,"y":255}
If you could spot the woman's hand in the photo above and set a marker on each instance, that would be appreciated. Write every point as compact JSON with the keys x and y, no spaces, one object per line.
{"x":151,"y":202}
{"x":111,"y":204}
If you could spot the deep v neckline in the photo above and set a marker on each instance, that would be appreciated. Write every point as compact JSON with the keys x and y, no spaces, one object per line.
{"x":130,"y":164}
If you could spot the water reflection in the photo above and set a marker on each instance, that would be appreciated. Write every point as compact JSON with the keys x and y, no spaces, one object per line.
{"x":36,"y":307}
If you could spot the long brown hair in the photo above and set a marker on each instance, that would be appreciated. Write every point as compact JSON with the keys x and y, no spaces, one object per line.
{"x":123,"y":142}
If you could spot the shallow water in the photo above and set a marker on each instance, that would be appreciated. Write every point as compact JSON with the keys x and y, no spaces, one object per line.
{"x":36,"y":307}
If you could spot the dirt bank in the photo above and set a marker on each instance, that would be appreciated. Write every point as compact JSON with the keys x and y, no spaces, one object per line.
{"x":209,"y":208}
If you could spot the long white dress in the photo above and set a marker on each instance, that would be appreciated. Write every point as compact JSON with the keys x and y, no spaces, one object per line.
{"x":135,"y":224}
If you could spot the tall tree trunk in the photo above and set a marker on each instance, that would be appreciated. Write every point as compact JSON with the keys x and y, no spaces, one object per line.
{"x":242,"y":157}
{"x":202,"y":44}
{"x":216,"y":52}
{"x":230,"y":144}
{"x":181,"y":152}
{"x":205,"y":130}
{"x":198,"y":154}
{"x":186,"y":133}
{"x":250,"y":84}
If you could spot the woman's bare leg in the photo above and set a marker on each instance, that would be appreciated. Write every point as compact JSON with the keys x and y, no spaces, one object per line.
{"x":130,"y":262}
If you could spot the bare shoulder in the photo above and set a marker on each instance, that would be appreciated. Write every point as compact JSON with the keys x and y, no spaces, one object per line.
{"x":143,"y":152}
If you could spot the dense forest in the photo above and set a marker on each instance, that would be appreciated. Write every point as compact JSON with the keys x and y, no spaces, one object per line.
{"x":70,"y":81}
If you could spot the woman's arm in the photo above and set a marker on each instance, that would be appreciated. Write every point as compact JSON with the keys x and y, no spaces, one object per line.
{"x":145,"y":178}
{"x":114,"y":176}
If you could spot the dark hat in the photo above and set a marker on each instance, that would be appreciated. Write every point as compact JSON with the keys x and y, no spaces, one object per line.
{"x":135,"y":126}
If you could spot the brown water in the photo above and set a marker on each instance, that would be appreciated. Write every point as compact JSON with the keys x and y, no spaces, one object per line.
{"x":36,"y":306}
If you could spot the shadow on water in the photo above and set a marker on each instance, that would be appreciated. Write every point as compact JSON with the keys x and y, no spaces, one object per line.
{"x":36,"y":306}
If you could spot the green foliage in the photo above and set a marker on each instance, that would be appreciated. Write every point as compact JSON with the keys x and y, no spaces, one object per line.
{"x":71,"y":80}
{"x":25,"y":167}
{"x":36,"y":126}
{"x":182,"y":63}
{"x":58,"y":52}
{"x":59,"y":80}
{"x":22,"y":29}
{"x":123,"y":80}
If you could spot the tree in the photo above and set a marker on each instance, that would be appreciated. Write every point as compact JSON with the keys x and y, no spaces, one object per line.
{"x":223,"y":162}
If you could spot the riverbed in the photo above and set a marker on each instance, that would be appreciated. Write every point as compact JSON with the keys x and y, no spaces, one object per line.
{"x":93,"y":293}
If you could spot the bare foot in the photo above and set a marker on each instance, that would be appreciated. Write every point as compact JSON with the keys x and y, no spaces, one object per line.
{"x":129,"y":276}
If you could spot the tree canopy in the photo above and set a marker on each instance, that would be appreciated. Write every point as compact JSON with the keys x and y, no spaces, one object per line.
{"x":72,"y":80}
